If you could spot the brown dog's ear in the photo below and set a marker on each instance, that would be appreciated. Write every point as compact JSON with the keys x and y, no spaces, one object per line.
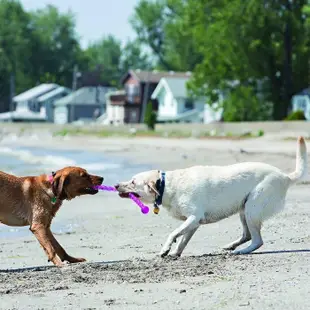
{"x":152,"y":186}
{"x":59,"y":186}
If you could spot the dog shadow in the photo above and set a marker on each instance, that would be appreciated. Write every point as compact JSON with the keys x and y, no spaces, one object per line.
{"x":46,"y":268}
{"x":281,"y":252}
{"x":230,"y":254}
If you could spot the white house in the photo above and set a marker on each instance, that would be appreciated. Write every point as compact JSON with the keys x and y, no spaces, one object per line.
{"x":28,"y":99}
{"x":27,"y":107}
{"x":301,"y":102}
{"x":115,"y":108}
{"x":174,"y":104}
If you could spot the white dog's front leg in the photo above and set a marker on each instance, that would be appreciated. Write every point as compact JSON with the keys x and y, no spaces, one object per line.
{"x":182,"y":242}
{"x":190,"y":224}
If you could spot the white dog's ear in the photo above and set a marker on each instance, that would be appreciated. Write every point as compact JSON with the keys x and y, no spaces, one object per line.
{"x":152,"y":186}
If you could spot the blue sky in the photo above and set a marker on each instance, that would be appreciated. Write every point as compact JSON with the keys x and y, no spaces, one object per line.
{"x":94,"y":18}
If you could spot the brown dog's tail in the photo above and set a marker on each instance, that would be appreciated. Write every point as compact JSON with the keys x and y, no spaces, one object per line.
{"x":301,"y":161}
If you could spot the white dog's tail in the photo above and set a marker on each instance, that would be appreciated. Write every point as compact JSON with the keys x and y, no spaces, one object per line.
{"x":301,"y":161}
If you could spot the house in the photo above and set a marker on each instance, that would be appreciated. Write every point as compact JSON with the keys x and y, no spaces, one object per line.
{"x":139,"y":86}
{"x":115,"y":108}
{"x":85,"y":103}
{"x":28,"y":99}
{"x":301,"y":101}
{"x":118,"y":110}
{"x":46,"y":101}
{"x":174,"y":104}
{"x":26,"y":105}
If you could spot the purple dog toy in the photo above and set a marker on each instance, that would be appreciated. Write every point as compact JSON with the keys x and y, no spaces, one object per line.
{"x":144,"y":209}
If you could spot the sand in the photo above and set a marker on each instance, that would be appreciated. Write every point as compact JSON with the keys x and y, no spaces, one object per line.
{"x":120,"y":244}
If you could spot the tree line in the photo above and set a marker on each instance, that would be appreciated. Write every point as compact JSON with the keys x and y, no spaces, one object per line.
{"x":253,"y":54}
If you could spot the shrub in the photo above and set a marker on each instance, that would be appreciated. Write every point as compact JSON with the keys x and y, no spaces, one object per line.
{"x":298,"y":115}
{"x":150,"y":117}
{"x":242,"y":105}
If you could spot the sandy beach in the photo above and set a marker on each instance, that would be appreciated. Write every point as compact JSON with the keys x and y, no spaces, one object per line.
{"x":121,"y":245}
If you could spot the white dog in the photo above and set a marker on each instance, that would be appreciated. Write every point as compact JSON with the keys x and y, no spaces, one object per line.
{"x":207,"y":194}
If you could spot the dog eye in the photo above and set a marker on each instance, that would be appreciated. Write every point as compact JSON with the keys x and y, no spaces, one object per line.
{"x":133,"y":181}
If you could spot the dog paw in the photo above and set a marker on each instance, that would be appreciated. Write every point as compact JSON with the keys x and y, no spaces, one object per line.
{"x":164,"y":253}
{"x":74,"y":260}
{"x":175,"y":255}
{"x":229,"y":247}
{"x":61,"y":264}
{"x":235,"y":253}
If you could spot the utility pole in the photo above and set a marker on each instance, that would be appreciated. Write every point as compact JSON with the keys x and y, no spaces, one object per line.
{"x":74,"y":77}
{"x":145,"y":97}
{"x":12,"y":91}
{"x":74,"y":86}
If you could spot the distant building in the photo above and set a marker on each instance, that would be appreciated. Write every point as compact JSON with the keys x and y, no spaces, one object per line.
{"x":115,"y":111}
{"x":28,"y":100}
{"x":139,"y":86}
{"x":174,"y":105}
{"x":27,"y":106}
{"x":85,"y":103}
{"x":46,"y":101}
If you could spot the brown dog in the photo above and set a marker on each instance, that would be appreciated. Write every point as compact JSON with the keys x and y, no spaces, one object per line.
{"x":34,"y":201}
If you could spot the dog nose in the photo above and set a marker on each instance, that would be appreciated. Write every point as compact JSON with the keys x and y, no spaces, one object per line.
{"x":116,"y":186}
{"x":101,"y":179}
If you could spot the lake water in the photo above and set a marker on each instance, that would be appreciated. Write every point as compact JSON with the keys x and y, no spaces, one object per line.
{"x":23,"y":161}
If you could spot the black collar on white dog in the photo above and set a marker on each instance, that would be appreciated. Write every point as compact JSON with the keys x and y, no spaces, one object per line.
{"x":160,"y":186}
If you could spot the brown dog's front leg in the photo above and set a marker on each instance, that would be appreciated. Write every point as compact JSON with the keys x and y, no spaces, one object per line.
{"x":41,"y":233}
{"x":61,"y":252}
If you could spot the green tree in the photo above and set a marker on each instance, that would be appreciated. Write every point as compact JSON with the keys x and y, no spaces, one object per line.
{"x":106,"y":53}
{"x":134,"y":58}
{"x":242,"y":104}
{"x":262,"y":43}
{"x":55,"y":48}
{"x":159,"y":26}
{"x":115,"y":60}
{"x":15,"y":48}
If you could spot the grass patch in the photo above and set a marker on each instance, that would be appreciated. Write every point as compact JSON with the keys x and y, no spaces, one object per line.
{"x":198,"y":134}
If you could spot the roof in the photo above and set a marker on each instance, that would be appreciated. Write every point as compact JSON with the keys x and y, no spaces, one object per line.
{"x":177,"y":86}
{"x":85,"y":95}
{"x":304,"y":92}
{"x":153,"y":76}
{"x":53,"y":93}
{"x":35,"y":92}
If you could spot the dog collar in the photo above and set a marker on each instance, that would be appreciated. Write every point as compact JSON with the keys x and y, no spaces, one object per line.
{"x":160,"y":186}
{"x":51,"y":180}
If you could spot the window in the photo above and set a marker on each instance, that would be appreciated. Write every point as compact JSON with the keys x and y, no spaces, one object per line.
{"x":132,"y":92}
{"x":188,"y":105}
